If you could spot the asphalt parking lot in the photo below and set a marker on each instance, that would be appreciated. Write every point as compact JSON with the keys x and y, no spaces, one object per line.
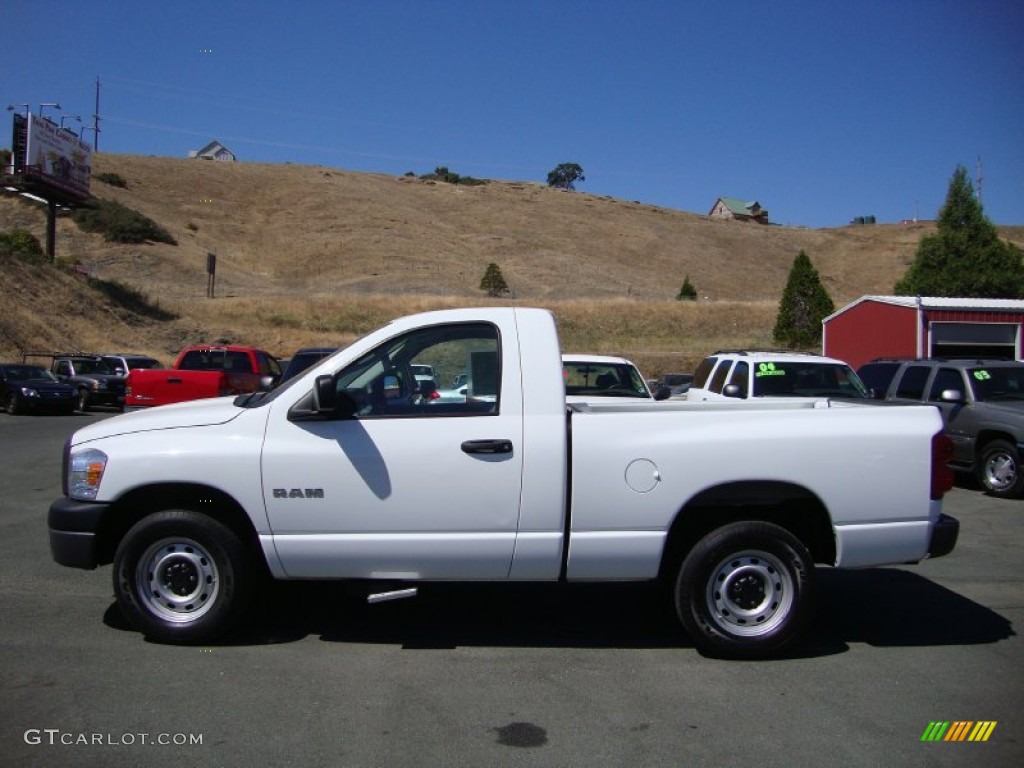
{"x":499,"y":675}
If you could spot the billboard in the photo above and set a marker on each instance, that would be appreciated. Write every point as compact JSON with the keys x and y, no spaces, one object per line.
{"x":55,"y":157}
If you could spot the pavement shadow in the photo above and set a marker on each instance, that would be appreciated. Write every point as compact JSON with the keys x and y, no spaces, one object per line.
{"x":883,"y":607}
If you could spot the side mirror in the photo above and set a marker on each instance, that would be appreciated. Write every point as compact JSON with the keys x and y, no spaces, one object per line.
{"x":266,"y":383}
{"x":951,"y":396}
{"x":663,"y":393}
{"x":732,"y":390}
{"x":325,"y":394}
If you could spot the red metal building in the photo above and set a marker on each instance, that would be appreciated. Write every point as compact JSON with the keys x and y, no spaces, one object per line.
{"x":909,"y":326}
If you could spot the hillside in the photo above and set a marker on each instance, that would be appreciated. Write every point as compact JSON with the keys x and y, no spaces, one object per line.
{"x":311,"y":255}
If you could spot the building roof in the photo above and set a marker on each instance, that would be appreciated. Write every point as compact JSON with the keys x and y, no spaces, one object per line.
{"x":213,"y":148}
{"x":740,"y":207}
{"x":938,"y":302}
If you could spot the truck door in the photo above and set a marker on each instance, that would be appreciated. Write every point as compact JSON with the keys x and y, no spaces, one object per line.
{"x":414,"y":485}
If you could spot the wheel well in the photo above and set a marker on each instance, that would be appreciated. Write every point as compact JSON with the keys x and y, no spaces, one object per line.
{"x":986,"y":436}
{"x":789,"y":506}
{"x":138,"y":503}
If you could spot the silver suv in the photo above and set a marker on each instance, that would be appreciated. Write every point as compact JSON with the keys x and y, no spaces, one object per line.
{"x":982,"y":405}
{"x":744,"y":374}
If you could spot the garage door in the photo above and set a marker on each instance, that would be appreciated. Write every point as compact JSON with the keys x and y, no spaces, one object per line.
{"x":999,"y":340}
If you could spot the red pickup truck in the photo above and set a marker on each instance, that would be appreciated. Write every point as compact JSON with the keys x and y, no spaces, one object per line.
{"x":203,"y":371}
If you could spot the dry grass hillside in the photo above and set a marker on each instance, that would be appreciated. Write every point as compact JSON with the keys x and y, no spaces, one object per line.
{"x":309,"y":255}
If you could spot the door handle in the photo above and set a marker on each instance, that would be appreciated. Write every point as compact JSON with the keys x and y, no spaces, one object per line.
{"x":487,"y":446}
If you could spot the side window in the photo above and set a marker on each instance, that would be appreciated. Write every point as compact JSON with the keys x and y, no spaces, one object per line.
{"x":387,"y":381}
{"x":911,"y":383}
{"x":63,"y":368}
{"x":945,"y":378}
{"x":700,"y":376}
{"x":740,"y":377}
{"x":718,"y":379}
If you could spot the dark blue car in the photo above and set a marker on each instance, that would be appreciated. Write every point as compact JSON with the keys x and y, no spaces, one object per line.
{"x":33,"y":389}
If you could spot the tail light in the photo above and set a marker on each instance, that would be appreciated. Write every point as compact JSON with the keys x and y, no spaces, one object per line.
{"x":942,"y":475}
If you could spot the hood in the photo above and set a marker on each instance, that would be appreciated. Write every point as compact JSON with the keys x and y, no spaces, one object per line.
{"x":1001,"y":410}
{"x":45,"y":384}
{"x":194,"y":413}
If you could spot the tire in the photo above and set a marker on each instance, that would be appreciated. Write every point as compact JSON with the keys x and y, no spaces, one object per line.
{"x":999,"y":470}
{"x":768,"y":597}
{"x":182,"y":577}
{"x":14,"y":406}
{"x":83,"y":400}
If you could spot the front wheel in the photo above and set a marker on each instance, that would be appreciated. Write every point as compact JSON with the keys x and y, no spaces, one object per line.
{"x":181,"y":577}
{"x":745,"y":590}
{"x":83,"y":400}
{"x":14,"y":406}
{"x":999,"y":469}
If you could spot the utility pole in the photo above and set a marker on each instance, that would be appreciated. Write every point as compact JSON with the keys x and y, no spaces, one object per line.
{"x":980,"y":177}
{"x":96,"y":119}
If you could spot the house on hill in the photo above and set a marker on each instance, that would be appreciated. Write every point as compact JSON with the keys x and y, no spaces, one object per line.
{"x":734,"y":208}
{"x":213,"y":151}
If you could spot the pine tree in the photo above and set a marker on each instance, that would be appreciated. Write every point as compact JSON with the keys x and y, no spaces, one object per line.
{"x":687,"y":292}
{"x":805,"y":303}
{"x":493,"y":281}
{"x":965,"y":258}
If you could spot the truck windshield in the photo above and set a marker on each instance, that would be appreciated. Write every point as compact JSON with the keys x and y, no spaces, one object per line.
{"x":997,"y":382}
{"x":604,"y":379}
{"x":92,"y":366}
{"x":807,"y":379}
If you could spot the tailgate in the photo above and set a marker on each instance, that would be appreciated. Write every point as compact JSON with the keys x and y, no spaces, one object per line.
{"x":148,"y":387}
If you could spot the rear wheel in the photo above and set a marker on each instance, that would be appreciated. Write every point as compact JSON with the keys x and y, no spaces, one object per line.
{"x":745,"y":590}
{"x":999,"y":469}
{"x":181,"y":577}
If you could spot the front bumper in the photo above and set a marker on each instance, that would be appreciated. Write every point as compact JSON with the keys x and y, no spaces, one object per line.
{"x":944,"y":536}
{"x":74,"y":528}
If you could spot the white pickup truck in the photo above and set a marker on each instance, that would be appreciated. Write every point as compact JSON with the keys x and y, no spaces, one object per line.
{"x":348,"y":472}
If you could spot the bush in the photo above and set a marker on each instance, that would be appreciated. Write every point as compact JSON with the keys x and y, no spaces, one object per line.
{"x":21,"y":244}
{"x":112,"y":179}
{"x":120,"y":224}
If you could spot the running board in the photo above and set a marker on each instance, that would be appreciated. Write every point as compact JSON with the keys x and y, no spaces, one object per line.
{"x":395,"y":594}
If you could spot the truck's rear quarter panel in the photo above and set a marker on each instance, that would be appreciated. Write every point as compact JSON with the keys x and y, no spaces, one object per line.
{"x":634,"y":469}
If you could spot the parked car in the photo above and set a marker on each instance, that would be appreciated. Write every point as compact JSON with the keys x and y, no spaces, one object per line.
{"x":599,"y":376}
{"x":26,"y":388}
{"x":123,"y":362}
{"x":743,"y":374}
{"x":303,"y":359}
{"x":203,"y":372}
{"x":982,"y":405}
{"x":92,"y":377}
{"x":678,"y":383}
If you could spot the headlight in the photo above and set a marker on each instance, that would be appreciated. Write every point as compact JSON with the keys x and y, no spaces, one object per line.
{"x":29,"y":392}
{"x":85,"y":471}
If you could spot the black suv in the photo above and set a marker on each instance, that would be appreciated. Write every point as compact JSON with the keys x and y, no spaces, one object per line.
{"x":982,"y":405}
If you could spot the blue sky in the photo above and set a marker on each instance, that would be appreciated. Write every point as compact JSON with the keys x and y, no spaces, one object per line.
{"x":821,"y":111}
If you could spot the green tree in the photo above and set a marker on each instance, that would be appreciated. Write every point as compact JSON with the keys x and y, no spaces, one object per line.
{"x":965,"y":257}
{"x":687,"y":292}
{"x":565,"y":176}
{"x":493,"y":281}
{"x":22,"y":244}
{"x":805,"y":303}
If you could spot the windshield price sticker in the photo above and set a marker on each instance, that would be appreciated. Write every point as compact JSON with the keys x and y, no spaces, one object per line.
{"x":982,"y":375}
{"x":768,"y":369}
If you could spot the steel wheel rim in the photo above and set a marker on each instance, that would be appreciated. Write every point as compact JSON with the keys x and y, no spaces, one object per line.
{"x":177,"y":580}
{"x":1000,"y":471}
{"x":750,"y":593}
